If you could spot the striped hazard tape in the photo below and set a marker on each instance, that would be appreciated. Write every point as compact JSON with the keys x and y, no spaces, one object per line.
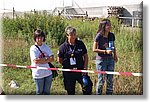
{"x":74,"y":70}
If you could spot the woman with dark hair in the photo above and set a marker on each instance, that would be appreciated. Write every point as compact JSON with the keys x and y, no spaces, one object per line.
{"x":42,"y":77}
{"x":106,"y":56}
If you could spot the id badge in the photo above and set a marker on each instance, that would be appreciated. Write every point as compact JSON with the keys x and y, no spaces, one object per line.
{"x":72,"y":61}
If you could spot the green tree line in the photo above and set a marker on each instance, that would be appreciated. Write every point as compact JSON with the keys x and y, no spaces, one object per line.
{"x":54,"y":26}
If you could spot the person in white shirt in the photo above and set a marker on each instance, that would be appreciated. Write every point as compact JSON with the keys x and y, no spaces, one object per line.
{"x":42,"y":77}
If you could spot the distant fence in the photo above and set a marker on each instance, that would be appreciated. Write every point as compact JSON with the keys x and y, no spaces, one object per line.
{"x":12,"y":13}
{"x":132,"y":21}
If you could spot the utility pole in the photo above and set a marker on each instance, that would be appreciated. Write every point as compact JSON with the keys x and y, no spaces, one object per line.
{"x":13,"y":12}
{"x":64,"y":8}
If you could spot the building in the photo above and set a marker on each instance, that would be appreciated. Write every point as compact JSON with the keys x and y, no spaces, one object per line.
{"x":131,"y":14}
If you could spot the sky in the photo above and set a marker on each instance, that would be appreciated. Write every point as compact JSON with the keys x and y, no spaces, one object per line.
{"x":28,"y":5}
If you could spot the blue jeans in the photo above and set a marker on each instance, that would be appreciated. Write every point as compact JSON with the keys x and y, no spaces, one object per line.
{"x":43,"y":85}
{"x":106,"y":64}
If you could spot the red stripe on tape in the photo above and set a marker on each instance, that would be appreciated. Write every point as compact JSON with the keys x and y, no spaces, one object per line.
{"x":126,"y":73}
{"x":11,"y":65}
{"x":52,"y":68}
{"x":100,"y":72}
{"x":30,"y":67}
{"x":75,"y":70}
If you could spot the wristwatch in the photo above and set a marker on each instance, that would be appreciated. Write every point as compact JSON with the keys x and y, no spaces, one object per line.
{"x":46,"y":58}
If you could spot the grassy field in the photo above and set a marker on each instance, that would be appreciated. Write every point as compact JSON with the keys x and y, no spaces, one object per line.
{"x":129,"y":49}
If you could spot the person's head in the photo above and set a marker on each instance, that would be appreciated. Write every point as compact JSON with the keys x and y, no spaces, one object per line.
{"x":70,"y":33}
{"x":104,"y":26}
{"x":39,"y":35}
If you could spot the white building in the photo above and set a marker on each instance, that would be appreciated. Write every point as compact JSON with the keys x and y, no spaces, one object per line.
{"x":131,"y":12}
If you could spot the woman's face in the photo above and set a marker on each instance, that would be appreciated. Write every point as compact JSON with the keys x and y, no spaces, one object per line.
{"x":39,"y":39}
{"x":108,"y":27}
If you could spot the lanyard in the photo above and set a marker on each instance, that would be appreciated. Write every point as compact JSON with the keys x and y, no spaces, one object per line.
{"x":72,"y":51}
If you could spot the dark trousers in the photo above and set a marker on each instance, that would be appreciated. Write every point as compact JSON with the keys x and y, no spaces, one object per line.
{"x":70,"y":79}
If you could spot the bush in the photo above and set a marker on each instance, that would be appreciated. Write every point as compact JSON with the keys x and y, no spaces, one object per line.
{"x":23,"y":27}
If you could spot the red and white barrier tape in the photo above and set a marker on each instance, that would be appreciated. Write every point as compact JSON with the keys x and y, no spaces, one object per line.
{"x":75,"y":70}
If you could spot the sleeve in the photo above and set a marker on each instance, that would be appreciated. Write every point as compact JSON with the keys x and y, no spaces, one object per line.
{"x":97,"y":37}
{"x":60,"y":52}
{"x":111,"y":37}
{"x":50,"y":53}
{"x":84,"y":48}
{"x":33,"y":53}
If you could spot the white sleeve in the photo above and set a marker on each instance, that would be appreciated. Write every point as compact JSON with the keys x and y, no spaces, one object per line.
{"x":49,"y":52}
{"x":33,"y":53}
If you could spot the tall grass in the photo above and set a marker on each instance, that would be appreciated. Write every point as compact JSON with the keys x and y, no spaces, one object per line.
{"x":129,"y":50}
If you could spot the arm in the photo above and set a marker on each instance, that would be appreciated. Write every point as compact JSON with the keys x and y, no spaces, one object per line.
{"x":85,"y":57}
{"x":59,"y":60}
{"x":115,"y":56}
{"x":44,"y":60}
{"x":60,"y":55}
{"x":95,"y":49}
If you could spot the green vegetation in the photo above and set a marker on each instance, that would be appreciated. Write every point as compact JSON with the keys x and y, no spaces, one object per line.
{"x":17,"y":39}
